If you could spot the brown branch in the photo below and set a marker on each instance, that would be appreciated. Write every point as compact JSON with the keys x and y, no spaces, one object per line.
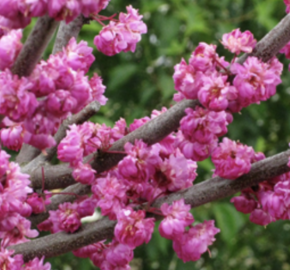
{"x":272,"y":43}
{"x":207,"y":191}
{"x":67,"y":31}
{"x":34,"y":46}
{"x":26,"y":61}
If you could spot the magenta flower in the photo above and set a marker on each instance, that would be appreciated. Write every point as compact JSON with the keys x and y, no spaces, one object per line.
{"x":255,"y":81}
{"x":122,"y":35}
{"x":176,"y":218}
{"x":37,"y":263}
{"x":192,"y":243}
{"x":237,"y":42}
{"x":78,"y":56}
{"x":133,"y":229}
{"x":98,"y":89}
{"x":245,"y":204}
{"x":8,"y":262}
{"x":16,"y":101}
{"x":186,"y":81}
{"x":232,"y":159}
{"x":111,"y":195}
{"x":215,"y":92}
{"x":10,"y":46}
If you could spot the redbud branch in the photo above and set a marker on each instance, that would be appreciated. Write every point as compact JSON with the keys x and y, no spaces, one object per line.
{"x":272,"y":43}
{"x":34,"y":46}
{"x":66,"y":31}
{"x":30,"y":54}
{"x":207,"y":191}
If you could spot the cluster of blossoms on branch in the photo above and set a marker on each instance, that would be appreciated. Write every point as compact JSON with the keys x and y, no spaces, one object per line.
{"x":34,"y":107}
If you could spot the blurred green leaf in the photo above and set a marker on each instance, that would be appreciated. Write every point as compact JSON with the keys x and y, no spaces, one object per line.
{"x":229,"y":220}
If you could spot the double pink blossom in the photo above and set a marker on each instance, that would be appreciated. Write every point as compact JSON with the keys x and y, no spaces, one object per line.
{"x":133,"y":229}
{"x":232,"y":159}
{"x":237,"y":42}
{"x":122,"y":35}
{"x":191,"y":244}
{"x":176,"y":218}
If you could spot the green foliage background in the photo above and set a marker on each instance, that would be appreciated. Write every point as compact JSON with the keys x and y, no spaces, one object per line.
{"x":137,"y":83}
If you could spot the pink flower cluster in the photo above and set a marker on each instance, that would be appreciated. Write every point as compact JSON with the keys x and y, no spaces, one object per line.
{"x":68,"y":216}
{"x":84,"y":140}
{"x":109,"y":256}
{"x":267,"y":202}
{"x":188,"y":244}
{"x":233,"y":159}
{"x":14,"y":227}
{"x":62,"y":87}
{"x":222,"y":90}
{"x":8,"y":262}
{"x":18,"y":14}
{"x":254,"y":81}
{"x":200,"y":129}
{"x":122,"y":35}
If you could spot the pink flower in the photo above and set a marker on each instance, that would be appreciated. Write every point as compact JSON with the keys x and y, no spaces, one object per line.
{"x":18,"y":232}
{"x":244,"y":203}
{"x":232,"y":159}
{"x":37,"y":263}
{"x":132,"y":228}
{"x":177,"y":217}
{"x":195,"y":150}
{"x":98,"y":89}
{"x":186,"y":81}
{"x":286,"y":48}
{"x":176,"y":172}
{"x":111,"y":195}
{"x":215,"y":92}
{"x":255,"y":81}
{"x":261,"y":217}
{"x":63,"y":9}
{"x":16,"y":101}
{"x":78,"y":56}
{"x":195,"y":241}
{"x":8,"y":262}
{"x":139,"y":164}
{"x":38,"y":201}
{"x":201,"y":125}
{"x":237,"y":42}
{"x":203,"y":58}
{"x":92,"y":6}
{"x":287,"y":3}
{"x":122,"y":35}
{"x":12,"y":137}
{"x":10,"y":46}
{"x":118,"y":255}
{"x":84,"y":174}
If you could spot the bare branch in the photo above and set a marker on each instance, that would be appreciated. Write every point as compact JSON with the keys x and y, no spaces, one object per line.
{"x":202,"y":193}
{"x":27,"y":59}
{"x":67,"y":31}
{"x":34,"y":46}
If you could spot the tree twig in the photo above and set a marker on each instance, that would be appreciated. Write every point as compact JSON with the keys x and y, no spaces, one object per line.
{"x":67,"y":31}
